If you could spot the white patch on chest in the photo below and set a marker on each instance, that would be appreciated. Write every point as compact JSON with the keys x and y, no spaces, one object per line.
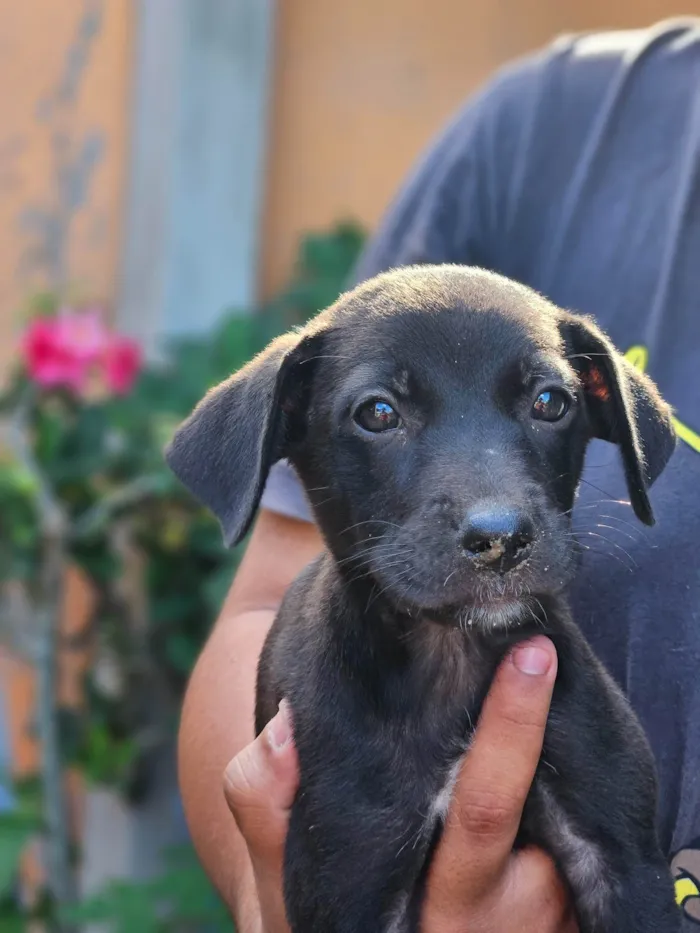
{"x":441,"y":802}
{"x":437,"y":811}
{"x":580,"y":860}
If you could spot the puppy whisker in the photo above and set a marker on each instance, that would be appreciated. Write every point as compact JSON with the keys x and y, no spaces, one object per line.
{"x":576,"y":508}
{"x":587,"y":547}
{"x":449,"y":575}
{"x":545,"y":620}
{"x":368,"y":521}
{"x":619,"y":547}
{"x":620,"y":531}
{"x":324,"y":502}
{"x":623,"y":521}
{"x":394,"y":583}
{"x":598,"y":489}
{"x":595,"y":505}
{"x":372,"y":570}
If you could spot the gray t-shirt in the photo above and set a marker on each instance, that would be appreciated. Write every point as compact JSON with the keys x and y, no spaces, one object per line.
{"x":577,"y":171}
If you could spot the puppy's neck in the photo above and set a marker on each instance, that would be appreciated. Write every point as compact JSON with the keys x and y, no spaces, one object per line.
{"x":410,"y":657}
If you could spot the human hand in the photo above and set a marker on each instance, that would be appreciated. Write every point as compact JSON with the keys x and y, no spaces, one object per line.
{"x":476,"y":883}
{"x":259,"y":785}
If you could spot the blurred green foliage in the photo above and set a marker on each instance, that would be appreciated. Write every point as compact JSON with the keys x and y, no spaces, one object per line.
{"x":103,"y":461}
{"x":17,"y":828}
{"x":178,"y":900}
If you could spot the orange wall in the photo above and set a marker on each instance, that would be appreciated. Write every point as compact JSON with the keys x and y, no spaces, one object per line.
{"x":34,"y":39}
{"x":361,"y":86}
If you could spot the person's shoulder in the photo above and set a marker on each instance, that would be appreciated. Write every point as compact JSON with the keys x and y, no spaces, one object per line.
{"x":663,"y":40}
{"x":579,"y":68}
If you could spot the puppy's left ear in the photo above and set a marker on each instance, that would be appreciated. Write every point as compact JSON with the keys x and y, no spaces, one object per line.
{"x":625,"y":408}
{"x":224,"y":451}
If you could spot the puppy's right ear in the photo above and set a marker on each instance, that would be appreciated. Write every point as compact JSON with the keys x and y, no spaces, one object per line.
{"x":223,"y":452}
{"x":625,"y":408}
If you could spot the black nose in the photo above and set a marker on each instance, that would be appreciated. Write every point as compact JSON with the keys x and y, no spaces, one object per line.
{"x":497,"y":537}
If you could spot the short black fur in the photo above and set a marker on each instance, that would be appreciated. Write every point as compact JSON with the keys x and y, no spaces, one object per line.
{"x":448,"y":541}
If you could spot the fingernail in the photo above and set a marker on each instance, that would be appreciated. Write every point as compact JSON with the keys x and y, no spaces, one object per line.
{"x":279,"y":730}
{"x":532,"y":659}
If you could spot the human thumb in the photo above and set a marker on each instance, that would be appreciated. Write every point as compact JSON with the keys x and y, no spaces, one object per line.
{"x":260,"y":784}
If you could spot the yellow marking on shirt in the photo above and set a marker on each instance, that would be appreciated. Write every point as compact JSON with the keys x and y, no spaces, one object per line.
{"x":685,"y":888}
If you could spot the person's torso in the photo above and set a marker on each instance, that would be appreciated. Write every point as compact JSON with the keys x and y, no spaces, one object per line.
{"x":605,"y":220}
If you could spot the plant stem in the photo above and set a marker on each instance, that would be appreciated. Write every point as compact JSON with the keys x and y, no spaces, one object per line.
{"x":54,"y":531}
{"x":17,"y":622}
{"x":134,"y":492}
{"x":60,"y":872}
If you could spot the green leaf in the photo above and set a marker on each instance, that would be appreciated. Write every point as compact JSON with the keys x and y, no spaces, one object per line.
{"x":17,"y":827}
{"x":12,"y":921}
{"x":105,"y":758}
{"x":15,"y":834}
{"x":16,"y":480}
{"x":234,"y":343}
{"x":29,"y":795}
{"x":173,"y":608}
{"x":41,"y":304}
{"x":51,"y":429}
{"x":181,"y":652}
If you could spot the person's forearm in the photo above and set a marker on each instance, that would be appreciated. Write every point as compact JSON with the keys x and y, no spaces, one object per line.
{"x":218,"y":712}
{"x":217,"y":722}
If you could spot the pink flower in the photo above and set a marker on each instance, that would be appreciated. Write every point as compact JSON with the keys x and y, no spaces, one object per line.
{"x":122,"y":362}
{"x":83,"y":333}
{"x":74,"y":348}
{"x":49,"y":361}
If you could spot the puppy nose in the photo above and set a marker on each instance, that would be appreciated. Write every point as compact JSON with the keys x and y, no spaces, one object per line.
{"x":497,"y":537}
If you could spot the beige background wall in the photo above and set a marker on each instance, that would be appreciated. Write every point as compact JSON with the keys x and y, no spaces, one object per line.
{"x":35,"y":36}
{"x":360,"y":87}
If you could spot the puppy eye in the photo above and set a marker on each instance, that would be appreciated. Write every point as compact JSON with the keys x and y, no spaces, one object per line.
{"x":376,"y":415}
{"x":550,"y":405}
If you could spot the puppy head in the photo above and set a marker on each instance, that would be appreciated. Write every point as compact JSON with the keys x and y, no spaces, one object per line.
{"x":438,"y":417}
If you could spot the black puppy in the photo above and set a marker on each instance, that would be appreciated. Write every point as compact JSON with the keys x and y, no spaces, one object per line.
{"x":438,"y":417}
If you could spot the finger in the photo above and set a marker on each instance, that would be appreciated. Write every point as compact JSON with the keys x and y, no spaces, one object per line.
{"x":495,"y":778}
{"x":259,"y":785}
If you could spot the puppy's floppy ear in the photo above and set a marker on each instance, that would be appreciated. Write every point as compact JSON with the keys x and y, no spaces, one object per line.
{"x":625,"y":408}
{"x":223,"y":452}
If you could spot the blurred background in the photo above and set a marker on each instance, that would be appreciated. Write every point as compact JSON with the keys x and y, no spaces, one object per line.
{"x":179,"y":181}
